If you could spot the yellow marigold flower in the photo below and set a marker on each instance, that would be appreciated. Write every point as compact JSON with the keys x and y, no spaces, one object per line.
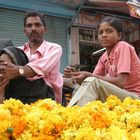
{"x":47,"y":120}
{"x":112,"y":101}
{"x":136,"y":134}
{"x":5,"y":120}
{"x":116,"y":133}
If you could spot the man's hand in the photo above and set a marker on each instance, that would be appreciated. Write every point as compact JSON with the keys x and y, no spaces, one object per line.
{"x":8,"y":70}
{"x":67,"y":71}
{"x":80,"y":76}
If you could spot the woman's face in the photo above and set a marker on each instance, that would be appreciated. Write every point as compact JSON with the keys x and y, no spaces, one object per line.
{"x":108,"y":35}
{"x":5,"y":57}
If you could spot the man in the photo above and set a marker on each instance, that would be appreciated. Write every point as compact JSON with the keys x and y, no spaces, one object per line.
{"x":44,"y":57}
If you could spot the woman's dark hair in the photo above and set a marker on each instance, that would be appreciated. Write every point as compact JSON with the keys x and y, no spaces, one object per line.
{"x":114,"y":22}
{"x":34,"y":14}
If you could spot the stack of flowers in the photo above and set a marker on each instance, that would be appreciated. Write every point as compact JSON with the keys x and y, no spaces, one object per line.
{"x":47,"y":120}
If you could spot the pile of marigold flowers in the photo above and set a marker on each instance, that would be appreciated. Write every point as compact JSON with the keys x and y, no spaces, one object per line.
{"x":47,"y":120}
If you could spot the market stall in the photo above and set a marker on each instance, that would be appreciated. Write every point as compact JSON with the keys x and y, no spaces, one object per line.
{"x":84,"y":40}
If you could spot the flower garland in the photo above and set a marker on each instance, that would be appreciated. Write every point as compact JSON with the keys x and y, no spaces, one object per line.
{"x":47,"y":120}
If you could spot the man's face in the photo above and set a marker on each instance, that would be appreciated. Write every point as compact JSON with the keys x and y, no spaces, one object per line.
{"x":35,"y":30}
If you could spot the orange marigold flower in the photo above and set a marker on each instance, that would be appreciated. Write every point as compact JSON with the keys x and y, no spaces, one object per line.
{"x":99,"y":120}
{"x":19,"y":126}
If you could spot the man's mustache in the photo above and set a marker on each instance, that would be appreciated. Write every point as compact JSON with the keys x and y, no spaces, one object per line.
{"x":33,"y":33}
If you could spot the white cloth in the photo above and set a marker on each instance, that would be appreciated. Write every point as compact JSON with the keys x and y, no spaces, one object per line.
{"x":96,"y":89}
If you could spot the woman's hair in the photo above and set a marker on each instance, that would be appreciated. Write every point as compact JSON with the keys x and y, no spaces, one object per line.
{"x":114,"y":22}
{"x":16,"y":55}
{"x":34,"y":13}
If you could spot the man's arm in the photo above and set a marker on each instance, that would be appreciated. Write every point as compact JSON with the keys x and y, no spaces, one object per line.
{"x":11,"y":70}
{"x":47,"y":64}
